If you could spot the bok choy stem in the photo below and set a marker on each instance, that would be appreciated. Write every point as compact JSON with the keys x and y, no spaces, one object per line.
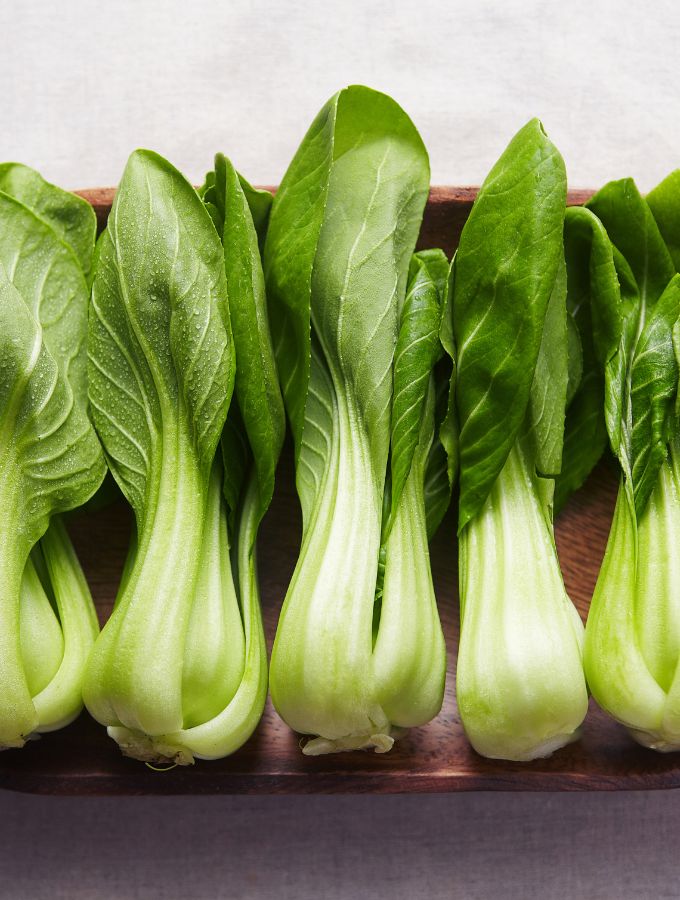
{"x":516,"y":618}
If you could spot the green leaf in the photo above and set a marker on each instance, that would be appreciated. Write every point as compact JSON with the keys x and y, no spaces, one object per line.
{"x":260,"y":205}
{"x":631,"y":228}
{"x":311,"y":472}
{"x":71,"y":217}
{"x":159,"y":346}
{"x":438,"y":479}
{"x":418,"y":349}
{"x":585,"y":439}
{"x":50,"y":279}
{"x":593,"y":297}
{"x":256,"y":386}
{"x":161,"y":379}
{"x":448,"y":429}
{"x":548,"y":397}
{"x":595,"y":273}
{"x":664,"y":202}
{"x":653,"y":390}
{"x":360,"y":161}
{"x":437,"y":266}
{"x":574,"y":358}
{"x":213,"y":193}
{"x":503,"y":275}
{"x":51,"y":461}
{"x":342,"y":230}
{"x":633,"y":335}
{"x":207,"y":185}
{"x":51,"y":458}
{"x":290,"y":249}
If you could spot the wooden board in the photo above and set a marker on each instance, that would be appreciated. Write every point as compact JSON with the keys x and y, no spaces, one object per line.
{"x":81,"y":759}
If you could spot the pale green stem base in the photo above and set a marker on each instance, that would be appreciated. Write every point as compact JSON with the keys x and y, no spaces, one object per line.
{"x":520,"y":684}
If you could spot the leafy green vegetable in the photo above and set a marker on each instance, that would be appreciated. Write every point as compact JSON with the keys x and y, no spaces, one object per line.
{"x":418,"y":349}
{"x":589,"y":268}
{"x":664,"y":202}
{"x":520,"y":684}
{"x":162,"y":373}
{"x":71,"y":217}
{"x":633,"y":629}
{"x":50,"y":456}
{"x":359,"y":652}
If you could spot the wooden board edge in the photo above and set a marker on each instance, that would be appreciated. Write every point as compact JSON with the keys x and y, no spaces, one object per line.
{"x":291,"y":784}
{"x":101,"y":198}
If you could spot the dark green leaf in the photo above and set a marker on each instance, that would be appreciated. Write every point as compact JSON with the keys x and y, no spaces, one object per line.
{"x":664,"y":202}
{"x":503,"y":275}
{"x":418,"y":349}
{"x":592,"y":293}
{"x":637,"y":399}
{"x":237,"y":458}
{"x":631,"y":228}
{"x":439,"y":479}
{"x":548,"y":396}
{"x":585,"y":439}
{"x":448,"y":430}
{"x":256,"y":385}
{"x":574,"y":358}
{"x":653,"y":390}
{"x":292,"y":237}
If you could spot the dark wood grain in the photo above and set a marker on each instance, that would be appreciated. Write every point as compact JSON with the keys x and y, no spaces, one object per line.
{"x":81,"y":759}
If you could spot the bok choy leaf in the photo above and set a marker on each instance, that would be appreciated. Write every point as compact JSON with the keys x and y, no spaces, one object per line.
{"x":520,"y":685}
{"x":633,"y":628}
{"x":179,"y":670}
{"x":585,"y":433}
{"x":51,"y":458}
{"x":359,"y":652}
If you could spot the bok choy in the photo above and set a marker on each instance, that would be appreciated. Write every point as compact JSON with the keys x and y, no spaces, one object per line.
{"x":520,"y":684}
{"x":50,"y":457}
{"x":359,"y":652}
{"x":633,"y":631}
{"x":179,"y":671}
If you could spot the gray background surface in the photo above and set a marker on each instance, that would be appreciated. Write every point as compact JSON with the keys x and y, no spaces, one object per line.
{"x":84,"y":83}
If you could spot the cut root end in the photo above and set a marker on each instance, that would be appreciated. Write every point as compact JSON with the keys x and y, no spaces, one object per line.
{"x":380,"y":743}
{"x":154,"y":751}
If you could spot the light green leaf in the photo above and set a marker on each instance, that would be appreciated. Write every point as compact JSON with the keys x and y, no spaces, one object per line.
{"x":71,"y":217}
{"x":51,"y":462}
{"x":161,"y":377}
{"x":159,"y":346}
{"x":358,"y":162}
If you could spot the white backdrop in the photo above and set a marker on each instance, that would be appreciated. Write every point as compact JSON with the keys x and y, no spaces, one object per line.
{"x":82,"y":84}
